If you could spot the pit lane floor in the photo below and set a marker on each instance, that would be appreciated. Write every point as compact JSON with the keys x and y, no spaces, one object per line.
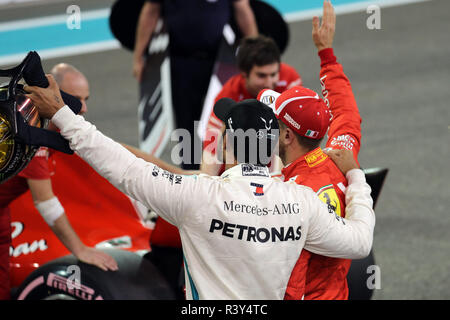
{"x":400,"y":76}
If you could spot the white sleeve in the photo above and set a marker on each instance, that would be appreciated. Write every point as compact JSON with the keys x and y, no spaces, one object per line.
{"x":170,"y":195}
{"x":352,"y":237}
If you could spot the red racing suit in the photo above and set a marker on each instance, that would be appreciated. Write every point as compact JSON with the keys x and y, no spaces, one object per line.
{"x":317,"y":277}
{"x":166,"y":234}
{"x":38,"y":169}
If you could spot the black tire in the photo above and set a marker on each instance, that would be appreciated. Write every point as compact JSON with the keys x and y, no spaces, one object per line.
{"x":357,"y":278}
{"x":136,"y":279}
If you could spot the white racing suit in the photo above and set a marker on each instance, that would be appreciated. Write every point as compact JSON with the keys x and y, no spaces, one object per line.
{"x":243,"y":232}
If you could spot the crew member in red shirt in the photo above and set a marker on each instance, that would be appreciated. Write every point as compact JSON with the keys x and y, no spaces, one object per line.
{"x":37,"y":178}
{"x":259,"y":62}
{"x":304,"y":120}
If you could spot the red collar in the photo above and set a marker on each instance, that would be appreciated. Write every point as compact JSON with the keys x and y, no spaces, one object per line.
{"x":308,"y":160}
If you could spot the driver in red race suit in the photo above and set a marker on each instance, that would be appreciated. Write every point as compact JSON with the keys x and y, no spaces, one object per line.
{"x":316,"y":277}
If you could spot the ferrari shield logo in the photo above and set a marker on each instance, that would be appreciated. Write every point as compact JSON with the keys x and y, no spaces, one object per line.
{"x":329,"y":196}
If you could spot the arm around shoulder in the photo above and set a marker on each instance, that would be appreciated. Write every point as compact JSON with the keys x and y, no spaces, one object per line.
{"x":350,"y":237}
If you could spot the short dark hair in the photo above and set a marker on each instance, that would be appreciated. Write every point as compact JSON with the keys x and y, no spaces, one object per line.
{"x":259,"y":51}
{"x":305,"y":142}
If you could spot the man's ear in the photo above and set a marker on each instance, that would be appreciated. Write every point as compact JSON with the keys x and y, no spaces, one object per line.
{"x":287,"y":135}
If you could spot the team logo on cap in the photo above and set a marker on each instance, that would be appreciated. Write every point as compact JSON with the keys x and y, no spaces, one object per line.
{"x":230,"y":124}
{"x":268,"y":100}
{"x":312,"y":134}
{"x":291,"y":121}
{"x":268,"y":127}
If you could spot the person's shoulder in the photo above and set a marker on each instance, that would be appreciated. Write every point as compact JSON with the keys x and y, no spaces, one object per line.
{"x":233,"y":84}
{"x":286,"y":68}
{"x":289,"y":77}
{"x":305,"y":190}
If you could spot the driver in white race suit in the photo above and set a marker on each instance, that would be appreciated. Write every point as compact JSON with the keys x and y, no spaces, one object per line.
{"x":242,"y":232}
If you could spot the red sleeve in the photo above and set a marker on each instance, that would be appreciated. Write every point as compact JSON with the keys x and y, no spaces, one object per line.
{"x":37,"y":169}
{"x":345,"y":127}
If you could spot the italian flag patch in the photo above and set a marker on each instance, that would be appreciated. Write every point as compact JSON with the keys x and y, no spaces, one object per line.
{"x":311,"y":133}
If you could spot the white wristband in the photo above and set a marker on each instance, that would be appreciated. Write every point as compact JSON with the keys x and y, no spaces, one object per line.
{"x":50,"y":210}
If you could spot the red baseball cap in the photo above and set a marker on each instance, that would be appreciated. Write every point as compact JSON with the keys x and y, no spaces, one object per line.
{"x":301,"y":109}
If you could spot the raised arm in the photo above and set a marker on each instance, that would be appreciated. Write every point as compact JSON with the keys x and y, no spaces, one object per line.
{"x":141,"y":180}
{"x":245,"y":18}
{"x":345,"y":127}
{"x":148,"y":19}
{"x":160,"y":163}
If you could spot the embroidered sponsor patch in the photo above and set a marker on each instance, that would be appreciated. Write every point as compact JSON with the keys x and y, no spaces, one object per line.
{"x":172,"y":177}
{"x":344,"y":141}
{"x":311,"y":133}
{"x":249,"y":170}
{"x":315,"y":157}
{"x":291,"y":121}
{"x":258,"y":189}
{"x":329,"y":196}
{"x":268,"y":99}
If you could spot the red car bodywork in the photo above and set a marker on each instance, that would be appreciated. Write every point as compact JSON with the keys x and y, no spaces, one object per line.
{"x":97,"y":211}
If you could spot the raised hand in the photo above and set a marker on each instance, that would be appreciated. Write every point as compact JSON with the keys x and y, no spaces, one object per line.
{"x":323,"y":33}
{"x":47,"y":100}
{"x":343,"y":159}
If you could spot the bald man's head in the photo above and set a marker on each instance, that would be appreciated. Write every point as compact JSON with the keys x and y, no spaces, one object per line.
{"x":72,"y":81}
